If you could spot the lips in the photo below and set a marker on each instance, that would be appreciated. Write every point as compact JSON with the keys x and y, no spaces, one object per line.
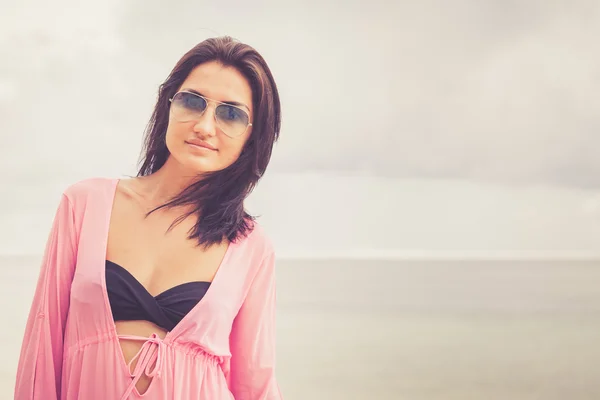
{"x":201,"y":143}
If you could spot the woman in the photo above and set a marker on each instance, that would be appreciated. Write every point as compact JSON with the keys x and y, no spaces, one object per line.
{"x":162,"y":285}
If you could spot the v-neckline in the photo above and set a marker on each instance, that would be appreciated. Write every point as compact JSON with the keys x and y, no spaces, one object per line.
{"x":171,"y":335}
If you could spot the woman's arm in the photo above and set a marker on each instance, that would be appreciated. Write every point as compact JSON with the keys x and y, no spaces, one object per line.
{"x":40,"y":362}
{"x":252,"y":340}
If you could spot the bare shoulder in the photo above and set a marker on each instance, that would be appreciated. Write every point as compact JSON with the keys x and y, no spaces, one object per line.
{"x":135,"y":188}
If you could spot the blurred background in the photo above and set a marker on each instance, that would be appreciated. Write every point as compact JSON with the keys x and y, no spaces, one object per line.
{"x":434,"y":199}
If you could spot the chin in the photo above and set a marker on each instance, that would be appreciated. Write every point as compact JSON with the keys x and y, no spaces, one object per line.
{"x":204,"y":166}
{"x":201,"y":163}
{"x":201,"y":167}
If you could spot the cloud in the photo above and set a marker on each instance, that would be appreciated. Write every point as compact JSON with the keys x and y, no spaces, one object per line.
{"x":479,"y":93}
{"x":469,"y":90}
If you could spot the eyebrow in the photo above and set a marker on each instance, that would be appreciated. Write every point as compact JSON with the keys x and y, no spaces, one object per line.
{"x":233,"y":103}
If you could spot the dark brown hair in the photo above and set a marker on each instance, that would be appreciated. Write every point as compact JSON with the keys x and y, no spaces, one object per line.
{"x":217,"y":198}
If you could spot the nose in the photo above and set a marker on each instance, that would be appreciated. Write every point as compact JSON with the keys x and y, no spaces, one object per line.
{"x":205,"y":125}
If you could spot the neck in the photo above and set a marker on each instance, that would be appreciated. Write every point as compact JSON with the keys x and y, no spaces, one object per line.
{"x":167,"y":182}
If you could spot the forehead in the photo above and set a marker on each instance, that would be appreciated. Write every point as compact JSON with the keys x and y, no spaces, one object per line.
{"x":219,"y":82}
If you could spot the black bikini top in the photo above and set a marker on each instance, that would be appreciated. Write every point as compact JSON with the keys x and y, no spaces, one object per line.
{"x":130,"y":301}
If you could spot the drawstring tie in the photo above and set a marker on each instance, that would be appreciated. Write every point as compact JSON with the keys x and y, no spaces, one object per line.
{"x":150,"y":359}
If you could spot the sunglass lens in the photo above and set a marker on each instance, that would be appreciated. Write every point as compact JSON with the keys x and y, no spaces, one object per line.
{"x":232,"y":120}
{"x":187,"y":106}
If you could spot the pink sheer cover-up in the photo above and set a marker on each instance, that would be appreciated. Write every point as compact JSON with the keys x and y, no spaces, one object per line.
{"x":223,"y":349}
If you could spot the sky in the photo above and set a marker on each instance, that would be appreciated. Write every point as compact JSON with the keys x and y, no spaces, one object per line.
{"x":469,"y":126}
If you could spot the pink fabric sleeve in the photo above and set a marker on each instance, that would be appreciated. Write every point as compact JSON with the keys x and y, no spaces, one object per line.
{"x":40,"y":363}
{"x":252,"y":340}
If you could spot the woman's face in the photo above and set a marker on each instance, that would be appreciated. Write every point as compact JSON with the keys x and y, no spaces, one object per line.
{"x":197,"y":141}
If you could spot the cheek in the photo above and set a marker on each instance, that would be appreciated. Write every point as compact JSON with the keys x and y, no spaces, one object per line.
{"x":176,"y":134}
{"x":174,"y":129}
{"x":230,"y":150}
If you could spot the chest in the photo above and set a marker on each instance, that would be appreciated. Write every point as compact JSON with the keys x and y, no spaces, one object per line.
{"x":158,"y":257}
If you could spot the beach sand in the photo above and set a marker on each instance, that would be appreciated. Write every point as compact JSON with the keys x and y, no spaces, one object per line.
{"x":419,"y":330}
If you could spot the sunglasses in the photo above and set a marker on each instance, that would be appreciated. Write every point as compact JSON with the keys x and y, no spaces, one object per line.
{"x":188,"y":106}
